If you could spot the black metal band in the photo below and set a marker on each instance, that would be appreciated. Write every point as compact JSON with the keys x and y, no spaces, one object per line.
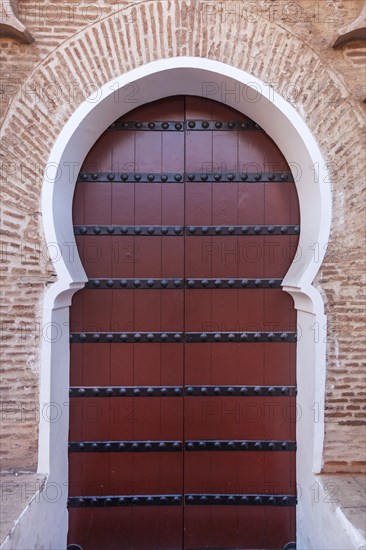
{"x":181,"y":125}
{"x":181,"y":177}
{"x":140,"y":500}
{"x":180,"y":337}
{"x":179,"y":231}
{"x":179,"y":391}
{"x":241,"y":500}
{"x":171,"y":284}
{"x":177,"y":446}
{"x":177,"y":500}
{"x":125,"y":446}
{"x":240,"y":445}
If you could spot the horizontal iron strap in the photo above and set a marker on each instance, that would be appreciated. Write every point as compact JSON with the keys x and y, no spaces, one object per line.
{"x":176,"y":500}
{"x":179,"y":337}
{"x":159,"y":284}
{"x":180,"y":177}
{"x":179,"y":391}
{"x":177,"y":446}
{"x":166,"y":231}
{"x":240,"y":445}
{"x":180,"y":125}
{"x":124,"y":446}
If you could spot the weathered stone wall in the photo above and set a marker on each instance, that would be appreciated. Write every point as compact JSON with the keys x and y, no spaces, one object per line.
{"x":81,"y":46}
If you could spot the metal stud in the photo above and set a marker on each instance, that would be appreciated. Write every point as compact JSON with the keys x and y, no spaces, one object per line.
{"x":137,"y":177}
{"x":138,"y":124}
{"x":191,"y":124}
{"x":191,"y":177}
{"x":205,"y":124}
{"x":257,"y":229}
{"x":150,"y":283}
{"x":271,"y":177}
{"x":151,"y":230}
{"x":110,"y":283}
{"x":165,"y":125}
{"x":231,"y":177}
{"x":97,"y":230}
{"x":271,"y":229}
{"x":178,"y":177}
{"x":110,"y":177}
{"x":164,"y":178}
{"x":204,"y":177}
{"x":150,"y":177}
{"x":124,"y":177}
{"x":217,"y":177}
{"x":218,"y":230}
{"x":164,"y":283}
{"x":244,"y":229}
{"x":109,"y":337}
{"x":231,"y":125}
{"x":164,"y":230}
{"x":178,"y":126}
{"x":151,"y":125}
{"x":218,"y":283}
{"x":150,"y":337}
{"x":96,"y":337}
{"x":244,"y":177}
{"x":192,"y":230}
{"x":258,"y":283}
{"x":94,"y":176}
{"x":284,"y":177}
{"x":284,"y":229}
{"x":124,"y":230}
{"x":258,"y":177}
{"x":218,"y":124}
{"x":203,"y":337}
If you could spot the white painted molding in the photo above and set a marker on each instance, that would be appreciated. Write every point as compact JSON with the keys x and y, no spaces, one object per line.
{"x":254,"y":98}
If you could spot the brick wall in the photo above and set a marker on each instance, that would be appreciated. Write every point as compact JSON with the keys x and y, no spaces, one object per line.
{"x":79,"y":47}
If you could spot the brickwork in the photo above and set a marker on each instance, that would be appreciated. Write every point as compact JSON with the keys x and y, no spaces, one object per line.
{"x":77,"y":50}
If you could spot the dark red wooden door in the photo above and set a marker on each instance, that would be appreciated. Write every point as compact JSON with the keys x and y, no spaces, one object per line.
{"x":183,"y":382}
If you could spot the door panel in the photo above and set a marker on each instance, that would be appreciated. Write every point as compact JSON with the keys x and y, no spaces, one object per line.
{"x":183,"y":345}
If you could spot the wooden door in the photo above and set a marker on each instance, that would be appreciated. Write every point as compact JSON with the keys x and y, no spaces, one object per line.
{"x":183,"y":345}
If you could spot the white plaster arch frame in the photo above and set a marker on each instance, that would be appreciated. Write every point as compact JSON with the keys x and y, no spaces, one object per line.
{"x":163,"y":78}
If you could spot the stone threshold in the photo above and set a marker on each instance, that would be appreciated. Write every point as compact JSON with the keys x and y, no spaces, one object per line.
{"x":346,"y":493}
{"x":18,"y":489}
